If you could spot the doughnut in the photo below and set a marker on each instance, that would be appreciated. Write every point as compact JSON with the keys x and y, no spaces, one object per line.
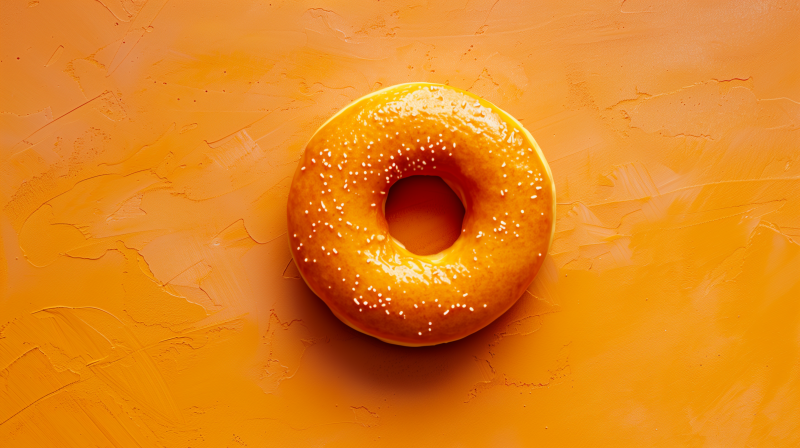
{"x":340,"y":239}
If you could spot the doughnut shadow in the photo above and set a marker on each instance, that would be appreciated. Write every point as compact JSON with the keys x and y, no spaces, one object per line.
{"x":368,"y":364}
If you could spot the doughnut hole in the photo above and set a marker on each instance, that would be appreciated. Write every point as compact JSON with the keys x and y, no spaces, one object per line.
{"x":424,"y":214}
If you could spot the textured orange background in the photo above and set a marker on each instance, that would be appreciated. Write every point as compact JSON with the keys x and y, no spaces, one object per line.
{"x":147,"y":296}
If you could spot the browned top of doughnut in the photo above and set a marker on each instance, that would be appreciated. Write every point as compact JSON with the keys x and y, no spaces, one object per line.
{"x":339,"y":236}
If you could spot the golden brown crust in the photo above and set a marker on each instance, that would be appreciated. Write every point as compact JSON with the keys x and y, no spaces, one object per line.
{"x":340,"y":239}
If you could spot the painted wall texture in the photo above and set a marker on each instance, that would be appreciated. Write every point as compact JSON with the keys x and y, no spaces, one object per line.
{"x":147,"y":293}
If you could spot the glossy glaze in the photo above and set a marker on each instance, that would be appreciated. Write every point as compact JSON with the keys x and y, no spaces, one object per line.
{"x":339,"y":235}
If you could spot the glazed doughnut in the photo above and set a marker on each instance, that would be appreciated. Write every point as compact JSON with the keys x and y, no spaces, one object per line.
{"x":339,"y":236}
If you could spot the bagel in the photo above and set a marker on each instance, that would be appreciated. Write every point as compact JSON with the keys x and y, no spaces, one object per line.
{"x":340,"y":239}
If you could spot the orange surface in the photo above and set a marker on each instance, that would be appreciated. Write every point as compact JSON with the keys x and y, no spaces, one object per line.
{"x":424,"y":214}
{"x":147,"y":296}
